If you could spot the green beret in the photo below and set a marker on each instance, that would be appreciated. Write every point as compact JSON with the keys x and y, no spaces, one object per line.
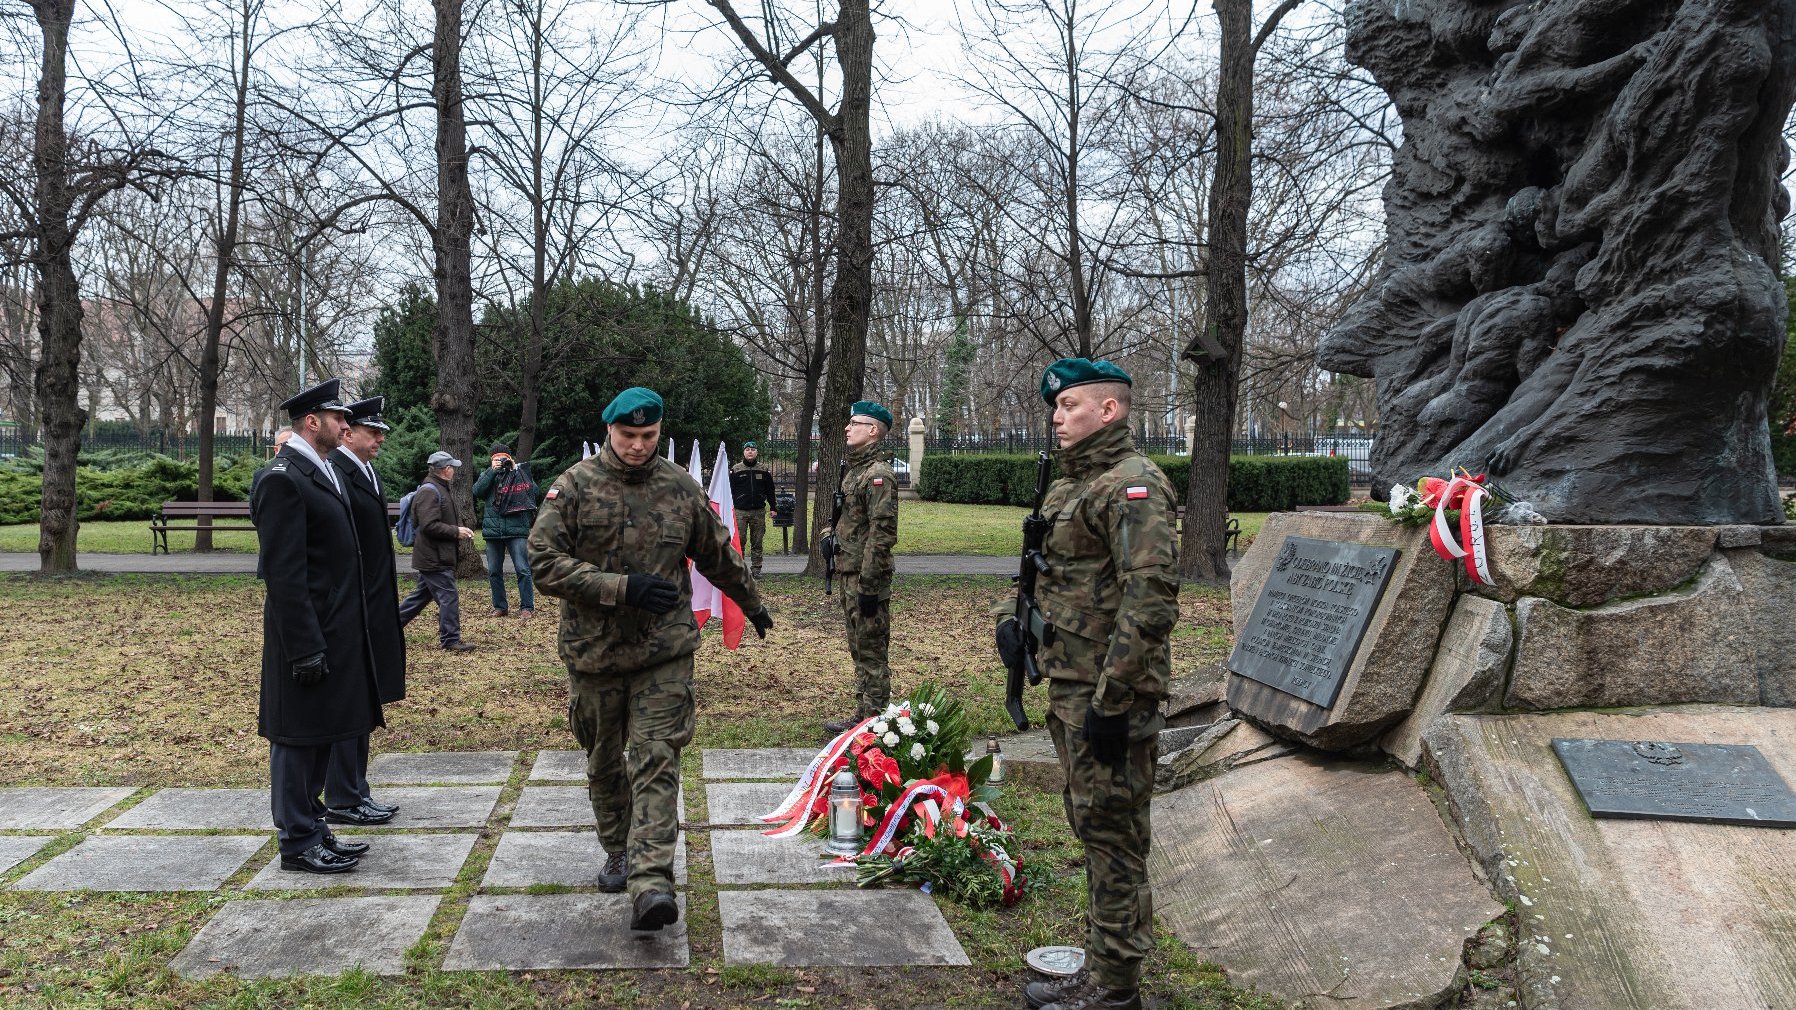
{"x":751,"y":445}
{"x":867,"y":408}
{"x":635,"y":406}
{"x":1069,"y":372}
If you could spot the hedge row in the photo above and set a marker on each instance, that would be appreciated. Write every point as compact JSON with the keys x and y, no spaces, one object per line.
{"x":1256,"y":483}
{"x":124,"y":493}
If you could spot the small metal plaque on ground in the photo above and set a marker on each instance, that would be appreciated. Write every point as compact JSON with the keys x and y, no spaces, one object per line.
{"x":1714,"y":783}
{"x":1310,"y":616}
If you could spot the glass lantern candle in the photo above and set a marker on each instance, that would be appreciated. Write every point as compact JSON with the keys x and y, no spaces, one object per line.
{"x":844,"y":815}
{"x":991,"y":750}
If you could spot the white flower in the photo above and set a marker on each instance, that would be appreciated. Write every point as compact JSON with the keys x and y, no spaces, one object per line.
{"x":916,"y":752}
{"x":907,"y":727}
{"x":891,"y":710}
{"x":891,"y":739}
{"x":1402,"y":496}
{"x":881,"y":727}
{"x":933,"y":727}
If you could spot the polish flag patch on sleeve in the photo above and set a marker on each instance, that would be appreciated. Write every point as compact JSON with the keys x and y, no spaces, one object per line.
{"x":879,"y":482}
{"x":1136,"y":492}
{"x":554,"y":492}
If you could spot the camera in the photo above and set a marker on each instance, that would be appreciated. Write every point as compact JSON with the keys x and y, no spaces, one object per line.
{"x":505,"y":464}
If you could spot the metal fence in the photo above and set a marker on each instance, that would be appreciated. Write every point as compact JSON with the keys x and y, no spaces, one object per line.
{"x":14,"y":441}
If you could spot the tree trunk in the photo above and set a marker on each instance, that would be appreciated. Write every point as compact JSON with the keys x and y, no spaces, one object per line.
{"x":453,"y":340}
{"x":221,"y":274}
{"x":58,"y":298}
{"x":1217,"y":349}
{"x":851,"y":295}
{"x":531,"y":371}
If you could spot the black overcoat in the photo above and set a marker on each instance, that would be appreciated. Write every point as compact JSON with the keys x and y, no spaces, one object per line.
{"x":374,"y":536}
{"x":316,"y":603}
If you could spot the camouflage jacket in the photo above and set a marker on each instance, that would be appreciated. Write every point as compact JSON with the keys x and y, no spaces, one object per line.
{"x":1113,"y":594}
{"x":868,"y":529}
{"x":603,"y":521}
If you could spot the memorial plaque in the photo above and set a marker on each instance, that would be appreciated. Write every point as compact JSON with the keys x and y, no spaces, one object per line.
{"x":1714,"y":783}
{"x":1310,"y":616}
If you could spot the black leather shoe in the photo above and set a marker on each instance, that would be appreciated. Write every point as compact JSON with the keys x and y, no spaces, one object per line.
{"x":318,"y":859}
{"x":652,"y":910}
{"x":358,"y":814}
{"x":1040,"y":994}
{"x":343,"y":848}
{"x":374,"y":804}
{"x":615,"y":874}
{"x":839,"y":726}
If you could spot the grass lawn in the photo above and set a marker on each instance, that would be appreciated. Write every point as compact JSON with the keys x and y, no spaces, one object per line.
{"x":923,"y":528}
{"x":151,"y":681}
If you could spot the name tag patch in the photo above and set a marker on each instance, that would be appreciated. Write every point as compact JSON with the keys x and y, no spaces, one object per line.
{"x":1136,"y":492}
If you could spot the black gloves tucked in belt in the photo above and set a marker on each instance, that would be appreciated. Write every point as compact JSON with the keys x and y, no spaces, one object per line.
{"x":310,"y":670}
{"x":1010,"y":643}
{"x":651,"y":593}
{"x":869,"y":605}
{"x":1108,"y":736}
{"x":763,"y":622}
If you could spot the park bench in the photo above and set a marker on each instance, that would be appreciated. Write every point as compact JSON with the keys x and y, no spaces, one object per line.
{"x":1231,"y":531}
{"x":185,"y":516}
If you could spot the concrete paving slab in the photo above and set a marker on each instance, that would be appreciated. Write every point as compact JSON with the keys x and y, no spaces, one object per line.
{"x":783,"y":763}
{"x":559,"y":766}
{"x":749,"y":857}
{"x":145,"y":863}
{"x":517,"y":932}
{"x":438,"y":806}
{"x":447,"y":768}
{"x":743,"y":802}
{"x":15,"y":849}
{"x":559,"y":807}
{"x":392,"y":862}
{"x":200,"y":809}
{"x":848,"y":927}
{"x":272,"y":938}
{"x":1304,"y":876}
{"x":568,"y":858}
{"x":56,"y":808}
{"x":1618,"y":914}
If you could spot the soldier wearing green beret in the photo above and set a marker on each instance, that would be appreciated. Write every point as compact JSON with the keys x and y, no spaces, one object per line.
{"x":612,"y":541}
{"x":863,"y":540}
{"x":751,"y":491}
{"x":1109,"y":601}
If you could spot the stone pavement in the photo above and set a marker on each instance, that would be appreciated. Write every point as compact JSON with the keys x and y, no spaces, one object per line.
{"x":781,"y":902}
{"x":219,"y":563}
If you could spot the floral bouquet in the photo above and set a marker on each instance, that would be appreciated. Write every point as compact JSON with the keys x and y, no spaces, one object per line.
{"x":1444,"y":504}
{"x":924,"y":810}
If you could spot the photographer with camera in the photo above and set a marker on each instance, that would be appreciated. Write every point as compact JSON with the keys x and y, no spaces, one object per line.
{"x":509,"y":494}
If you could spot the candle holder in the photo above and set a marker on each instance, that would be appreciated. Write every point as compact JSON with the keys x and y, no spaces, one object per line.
{"x":992,"y":751}
{"x":844,"y":815}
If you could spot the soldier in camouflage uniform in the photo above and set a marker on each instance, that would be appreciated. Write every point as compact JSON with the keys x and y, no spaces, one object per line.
{"x":863,"y":540}
{"x":1109,"y":603}
{"x":612,"y":541}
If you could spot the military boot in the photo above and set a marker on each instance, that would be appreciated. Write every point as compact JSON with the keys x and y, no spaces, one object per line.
{"x":1089,"y":995}
{"x":654,"y":909}
{"x":615,"y":873}
{"x":1040,"y":994}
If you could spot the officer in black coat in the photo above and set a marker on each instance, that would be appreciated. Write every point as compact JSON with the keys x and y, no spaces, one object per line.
{"x":318,"y":682}
{"x":346,"y":796}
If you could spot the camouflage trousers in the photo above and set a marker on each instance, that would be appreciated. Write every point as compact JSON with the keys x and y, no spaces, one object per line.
{"x":868,"y":641}
{"x":1108,"y":809}
{"x":753,"y":524}
{"x":636,"y":804}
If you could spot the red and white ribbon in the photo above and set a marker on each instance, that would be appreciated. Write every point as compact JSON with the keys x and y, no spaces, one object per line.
{"x":888,"y":826}
{"x":1467,"y":496}
{"x":794,"y":812}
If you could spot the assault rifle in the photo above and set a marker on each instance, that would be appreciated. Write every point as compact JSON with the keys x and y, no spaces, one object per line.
{"x":835,"y":517}
{"x":1028,"y":616}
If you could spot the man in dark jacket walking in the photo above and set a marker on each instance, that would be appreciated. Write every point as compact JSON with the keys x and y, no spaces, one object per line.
{"x":346,"y":796}
{"x":318,"y":683}
{"x":433,"y":553}
{"x":752,"y":491}
{"x":509,"y":493}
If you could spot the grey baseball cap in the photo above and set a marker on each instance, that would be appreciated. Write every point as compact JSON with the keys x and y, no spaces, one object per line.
{"x":441,"y":458}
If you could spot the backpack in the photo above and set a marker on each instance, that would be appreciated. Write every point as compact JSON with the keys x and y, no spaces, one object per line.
{"x":407,"y":527}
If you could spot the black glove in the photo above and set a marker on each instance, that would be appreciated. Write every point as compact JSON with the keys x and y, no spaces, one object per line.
{"x":869,"y":605}
{"x":763,"y":622}
{"x":651,"y":593}
{"x":1010,"y":643}
{"x":1108,"y":736}
{"x":310,"y":670}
